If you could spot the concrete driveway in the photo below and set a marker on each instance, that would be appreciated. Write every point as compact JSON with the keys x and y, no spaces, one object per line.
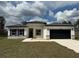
{"x":71,"y":44}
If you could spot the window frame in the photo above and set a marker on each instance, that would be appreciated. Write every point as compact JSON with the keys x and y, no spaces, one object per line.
{"x":11,"y":32}
{"x":38,"y":32}
{"x":18,"y":32}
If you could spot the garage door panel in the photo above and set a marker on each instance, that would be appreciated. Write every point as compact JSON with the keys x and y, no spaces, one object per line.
{"x":60,"y":34}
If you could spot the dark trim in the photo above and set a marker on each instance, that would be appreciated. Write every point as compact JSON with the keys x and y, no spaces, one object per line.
{"x":16,"y":26}
{"x":17,"y":30}
{"x":37,"y":22}
{"x":59,"y":25}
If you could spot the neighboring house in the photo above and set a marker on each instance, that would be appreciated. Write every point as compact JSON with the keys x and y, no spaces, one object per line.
{"x":37,"y":29}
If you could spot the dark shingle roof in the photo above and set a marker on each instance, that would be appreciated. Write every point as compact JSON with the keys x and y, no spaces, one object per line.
{"x":17,"y":25}
{"x":59,"y":25}
{"x":37,"y":22}
{"x":52,"y":24}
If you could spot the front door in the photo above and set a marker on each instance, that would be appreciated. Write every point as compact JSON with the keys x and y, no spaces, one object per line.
{"x":30,"y":32}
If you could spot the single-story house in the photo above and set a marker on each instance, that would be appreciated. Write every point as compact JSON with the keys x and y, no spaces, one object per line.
{"x":37,"y":29}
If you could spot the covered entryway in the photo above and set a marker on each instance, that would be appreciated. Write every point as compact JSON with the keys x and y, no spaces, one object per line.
{"x":60,"y":34}
{"x":30,"y":32}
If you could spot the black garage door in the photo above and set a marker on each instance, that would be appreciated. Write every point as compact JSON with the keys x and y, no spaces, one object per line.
{"x":60,"y":34}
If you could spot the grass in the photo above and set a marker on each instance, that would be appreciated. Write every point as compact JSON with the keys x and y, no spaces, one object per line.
{"x":17,"y":49}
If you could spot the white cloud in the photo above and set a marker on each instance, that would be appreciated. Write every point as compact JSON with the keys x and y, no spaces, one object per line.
{"x":51,"y":14}
{"x":67,"y":15}
{"x":15,"y":14}
{"x":57,"y":4}
{"x":38,"y":19}
{"x":11,"y":20}
{"x":12,"y":12}
{"x":34,"y":9}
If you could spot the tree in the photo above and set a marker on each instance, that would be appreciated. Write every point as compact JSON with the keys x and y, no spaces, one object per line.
{"x":3,"y":32}
{"x":23,"y":22}
{"x":64,"y":22}
{"x":68,"y":22}
{"x":2,"y":23}
{"x":77,"y":22}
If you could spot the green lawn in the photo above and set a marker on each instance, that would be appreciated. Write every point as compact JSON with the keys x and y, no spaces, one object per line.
{"x":16,"y":48}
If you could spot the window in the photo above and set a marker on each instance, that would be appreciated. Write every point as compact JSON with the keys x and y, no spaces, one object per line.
{"x":21,"y":32}
{"x":16,"y":32}
{"x":38,"y":31}
{"x":13,"y":32}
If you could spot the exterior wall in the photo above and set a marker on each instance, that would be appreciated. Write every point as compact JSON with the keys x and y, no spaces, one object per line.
{"x":47,"y":31}
{"x":37,"y":36}
{"x":17,"y":37}
{"x":59,"y":27}
{"x":36,"y":26}
{"x":26,"y":32}
{"x":72,"y":33}
{"x":8,"y":32}
{"x":76,"y":33}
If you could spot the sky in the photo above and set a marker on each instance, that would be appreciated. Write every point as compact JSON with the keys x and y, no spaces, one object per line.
{"x":15,"y":12}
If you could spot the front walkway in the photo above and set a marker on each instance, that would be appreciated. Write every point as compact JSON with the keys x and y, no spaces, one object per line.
{"x":71,"y":44}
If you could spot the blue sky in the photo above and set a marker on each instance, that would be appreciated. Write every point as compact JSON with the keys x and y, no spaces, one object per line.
{"x":49,"y":11}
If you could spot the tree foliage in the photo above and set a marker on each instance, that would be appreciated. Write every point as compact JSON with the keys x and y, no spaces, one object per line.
{"x":23,"y":22}
{"x":77,"y":22}
{"x":68,"y":22}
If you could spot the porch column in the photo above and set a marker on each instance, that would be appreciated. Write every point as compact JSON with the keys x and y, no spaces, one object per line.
{"x":17,"y":32}
{"x":8,"y":32}
{"x":46,"y":34}
{"x":25,"y":32}
{"x":72,"y":33}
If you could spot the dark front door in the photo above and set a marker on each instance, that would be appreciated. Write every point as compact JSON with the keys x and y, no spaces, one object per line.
{"x":31,"y":33}
{"x":60,"y":34}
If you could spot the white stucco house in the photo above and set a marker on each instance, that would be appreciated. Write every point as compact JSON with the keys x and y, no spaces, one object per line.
{"x":37,"y":29}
